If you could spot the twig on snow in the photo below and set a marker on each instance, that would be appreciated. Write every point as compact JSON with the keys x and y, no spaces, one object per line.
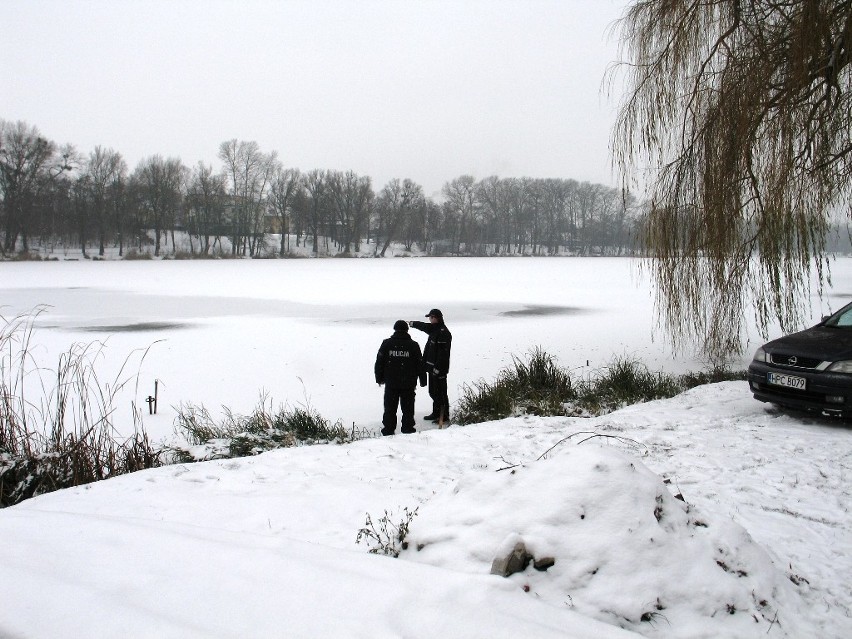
{"x":772,"y":623}
{"x":591,"y":435}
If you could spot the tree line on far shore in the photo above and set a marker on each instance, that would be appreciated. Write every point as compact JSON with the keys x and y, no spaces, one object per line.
{"x":253,"y":205}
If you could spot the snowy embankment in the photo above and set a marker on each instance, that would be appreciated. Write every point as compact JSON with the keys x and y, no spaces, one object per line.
{"x":265,"y":546}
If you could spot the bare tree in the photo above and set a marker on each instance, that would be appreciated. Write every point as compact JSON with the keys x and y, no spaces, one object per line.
{"x":27,"y":164}
{"x":433,"y":218}
{"x":395,"y":201}
{"x":460,"y":197}
{"x":587,"y":202}
{"x":159,"y":183}
{"x":414,"y":223}
{"x":300,"y":213}
{"x":535,"y":199}
{"x":555,"y":198}
{"x":105,"y":170}
{"x":520,"y":206}
{"x":316,"y":185}
{"x":741,"y":114}
{"x":265,"y":175}
{"x":57,"y":215}
{"x":494,"y":195}
{"x":606,"y":217}
{"x":282,"y":194}
{"x":205,"y":203}
{"x":249,"y":172}
{"x":352,"y":197}
{"x":362,"y":203}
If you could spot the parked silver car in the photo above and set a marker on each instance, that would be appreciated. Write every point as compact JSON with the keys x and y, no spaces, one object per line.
{"x":809,"y":370}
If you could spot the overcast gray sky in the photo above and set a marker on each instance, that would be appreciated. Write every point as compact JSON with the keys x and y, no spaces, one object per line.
{"x":421,"y":89}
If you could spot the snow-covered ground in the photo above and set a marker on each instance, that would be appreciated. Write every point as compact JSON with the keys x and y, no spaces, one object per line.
{"x":761,"y":544}
{"x":265,"y":546}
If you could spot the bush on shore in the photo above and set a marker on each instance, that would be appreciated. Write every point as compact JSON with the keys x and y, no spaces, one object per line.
{"x":264,"y":429}
{"x":538,"y":386}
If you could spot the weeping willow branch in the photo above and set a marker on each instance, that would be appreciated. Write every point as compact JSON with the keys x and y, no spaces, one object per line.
{"x":737,"y":117}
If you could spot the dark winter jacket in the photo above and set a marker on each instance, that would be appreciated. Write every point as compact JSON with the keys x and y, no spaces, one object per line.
{"x":399,"y":363}
{"x":436,"y":354}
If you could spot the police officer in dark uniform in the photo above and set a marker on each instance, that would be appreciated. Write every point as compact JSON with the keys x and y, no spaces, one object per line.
{"x":398,"y":366}
{"x":436,"y":357}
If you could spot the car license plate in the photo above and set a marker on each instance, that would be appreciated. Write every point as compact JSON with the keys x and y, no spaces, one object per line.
{"x":790,"y":381}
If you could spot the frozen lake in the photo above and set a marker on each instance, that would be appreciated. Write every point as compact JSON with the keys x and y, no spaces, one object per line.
{"x":306,"y":331}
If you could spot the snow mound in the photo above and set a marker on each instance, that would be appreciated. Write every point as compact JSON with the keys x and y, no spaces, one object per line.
{"x":626,"y":550}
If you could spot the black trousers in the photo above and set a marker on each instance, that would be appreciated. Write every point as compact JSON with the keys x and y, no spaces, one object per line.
{"x":395,"y":397}
{"x":438,"y":393}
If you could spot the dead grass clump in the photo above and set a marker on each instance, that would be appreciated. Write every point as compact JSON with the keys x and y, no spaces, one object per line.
{"x":56,"y":427}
